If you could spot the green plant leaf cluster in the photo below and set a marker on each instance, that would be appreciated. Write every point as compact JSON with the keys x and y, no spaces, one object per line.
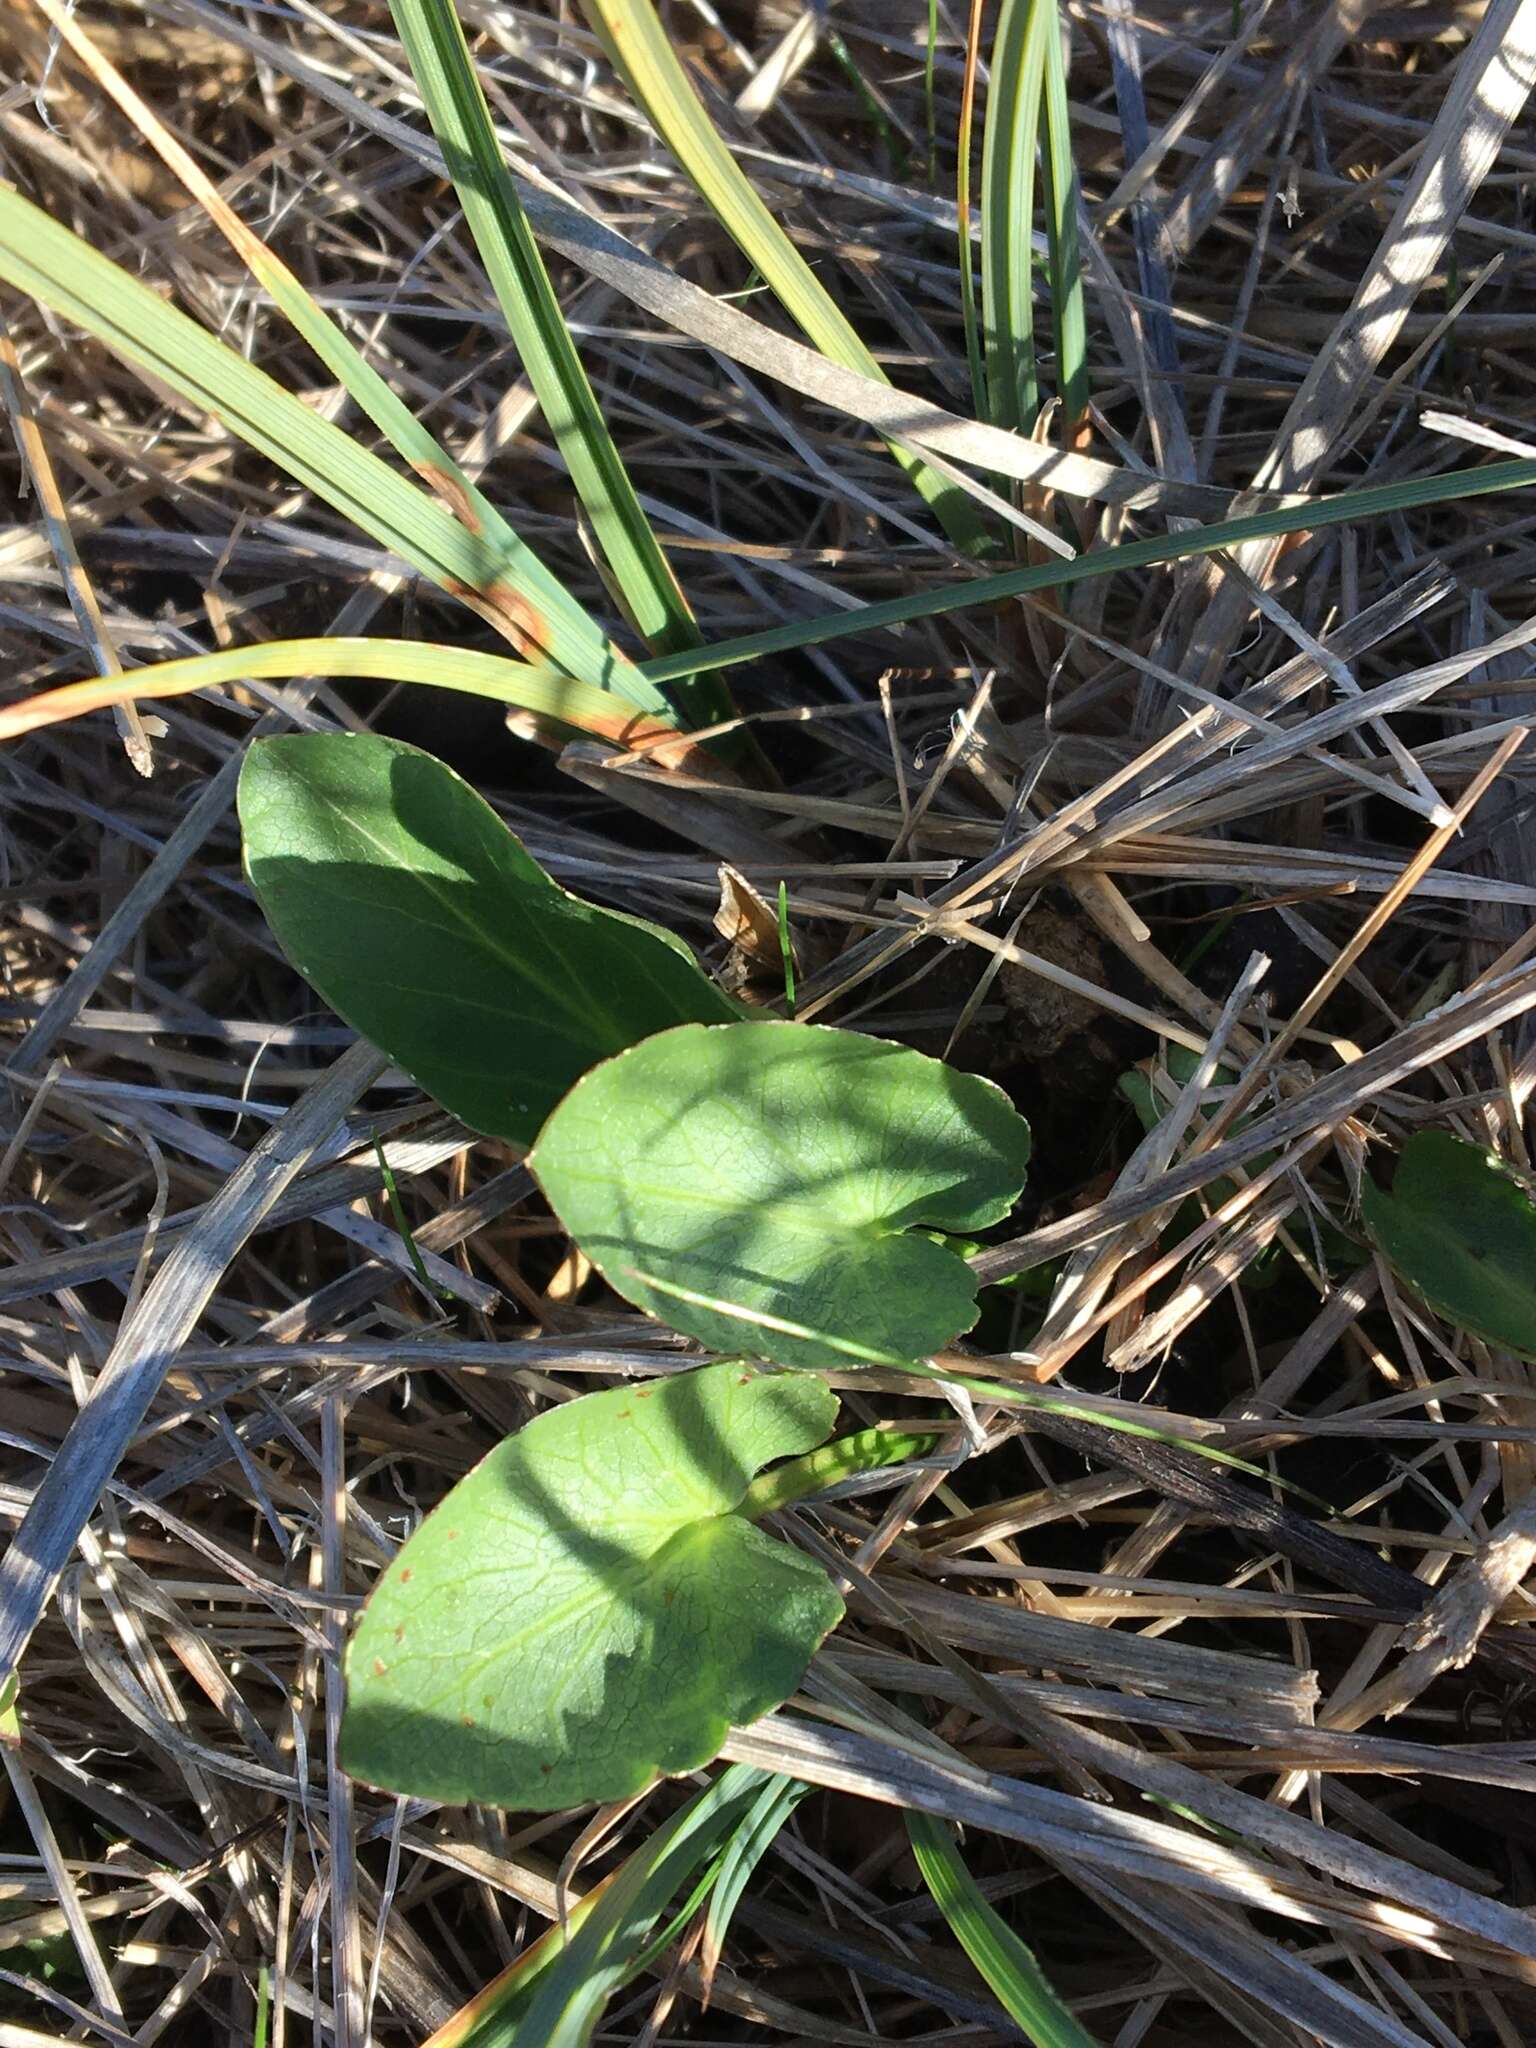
{"x":594,"y":1605}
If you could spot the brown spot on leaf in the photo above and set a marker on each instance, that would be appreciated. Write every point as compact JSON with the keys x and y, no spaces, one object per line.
{"x":508,"y":611}
{"x":399,"y":1631}
{"x":405,"y":1576}
{"x":451,"y":1536}
{"x":662,"y":745}
{"x":379,"y":1667}
{"x":523,"y":624}
{"x":453,"y":495}
{"x":468,"y":1720}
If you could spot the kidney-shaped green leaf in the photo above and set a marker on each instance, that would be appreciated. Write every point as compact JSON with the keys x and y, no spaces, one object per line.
{"x":1462,"y":1233}
{"x":585,"y":1612}
{"x":402,"y":897}
{"x":775,"y":1169}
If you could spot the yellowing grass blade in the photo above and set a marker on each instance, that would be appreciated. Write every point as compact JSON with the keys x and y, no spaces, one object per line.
{"x":447,"y":537}
{"x":560,"y":702}
{"x":461,"y":120}
{"x":644,"y":58}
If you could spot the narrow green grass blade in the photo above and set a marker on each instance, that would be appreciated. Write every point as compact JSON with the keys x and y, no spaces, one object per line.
{"x":928,"y":104}
{"x":1373,"y":502}
{"x":963,"y":138}
{"x":643,"y":56}
{"x":394,"y":419}
{"x":748,"y":1844}
{"x":558,"y":700}
{"x":490,"y":568}
{"x":546,"y":1997}
{"x":492,"y":2017}
{"x":569,"y":2001}
{"x":461,"y":120}
{"x":1009,"y":145}
{"x":1065,"y":257}
{"x":1007,"y":1965}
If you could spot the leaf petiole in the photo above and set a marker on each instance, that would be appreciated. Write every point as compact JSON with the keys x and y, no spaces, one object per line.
{"x":866,"y":1451}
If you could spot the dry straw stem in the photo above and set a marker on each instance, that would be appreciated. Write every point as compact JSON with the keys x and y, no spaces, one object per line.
{"x":1058,"y":772}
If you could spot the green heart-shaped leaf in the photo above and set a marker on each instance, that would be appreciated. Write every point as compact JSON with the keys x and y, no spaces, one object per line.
{"x":1462,"y":1233}
{"x":402,"y":897}
{"x":585,"y":1612}
{"x":775,"y":1169}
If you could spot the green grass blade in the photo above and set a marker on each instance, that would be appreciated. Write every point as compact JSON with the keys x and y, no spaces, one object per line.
{"x":643,"y":55}
{"x":1373,"y":502}
{"x":568,"y":2004}
{"x":968,"y":312}
{"x":1009,"y":146}
{"x":461,"y":120}
{"x":489,"y":567}
{"x":611,"y":1929}
{"x":496,"y":2016}
{"x":394,"y":419}
{"x":492,"y":2017}
{"x":1003,"y":1960}
{"x":1065,"y":258}
{"x":557,"y":700}
{"x":929,"y":122}
{"x":748,"y":1844}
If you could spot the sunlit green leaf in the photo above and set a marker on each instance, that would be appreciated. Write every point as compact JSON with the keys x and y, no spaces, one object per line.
{"x":586,"y":1611}
{"x":775,"y":1169}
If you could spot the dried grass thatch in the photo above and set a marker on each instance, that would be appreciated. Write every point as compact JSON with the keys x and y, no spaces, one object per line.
{"x":1056,"y":835}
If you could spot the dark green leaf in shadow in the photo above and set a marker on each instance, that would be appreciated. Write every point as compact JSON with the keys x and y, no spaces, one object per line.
{"x":402,"y":897}
{"x":1461,"y":1231}
{"x":586,"y":1612}
{"x":775,"y":1170}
